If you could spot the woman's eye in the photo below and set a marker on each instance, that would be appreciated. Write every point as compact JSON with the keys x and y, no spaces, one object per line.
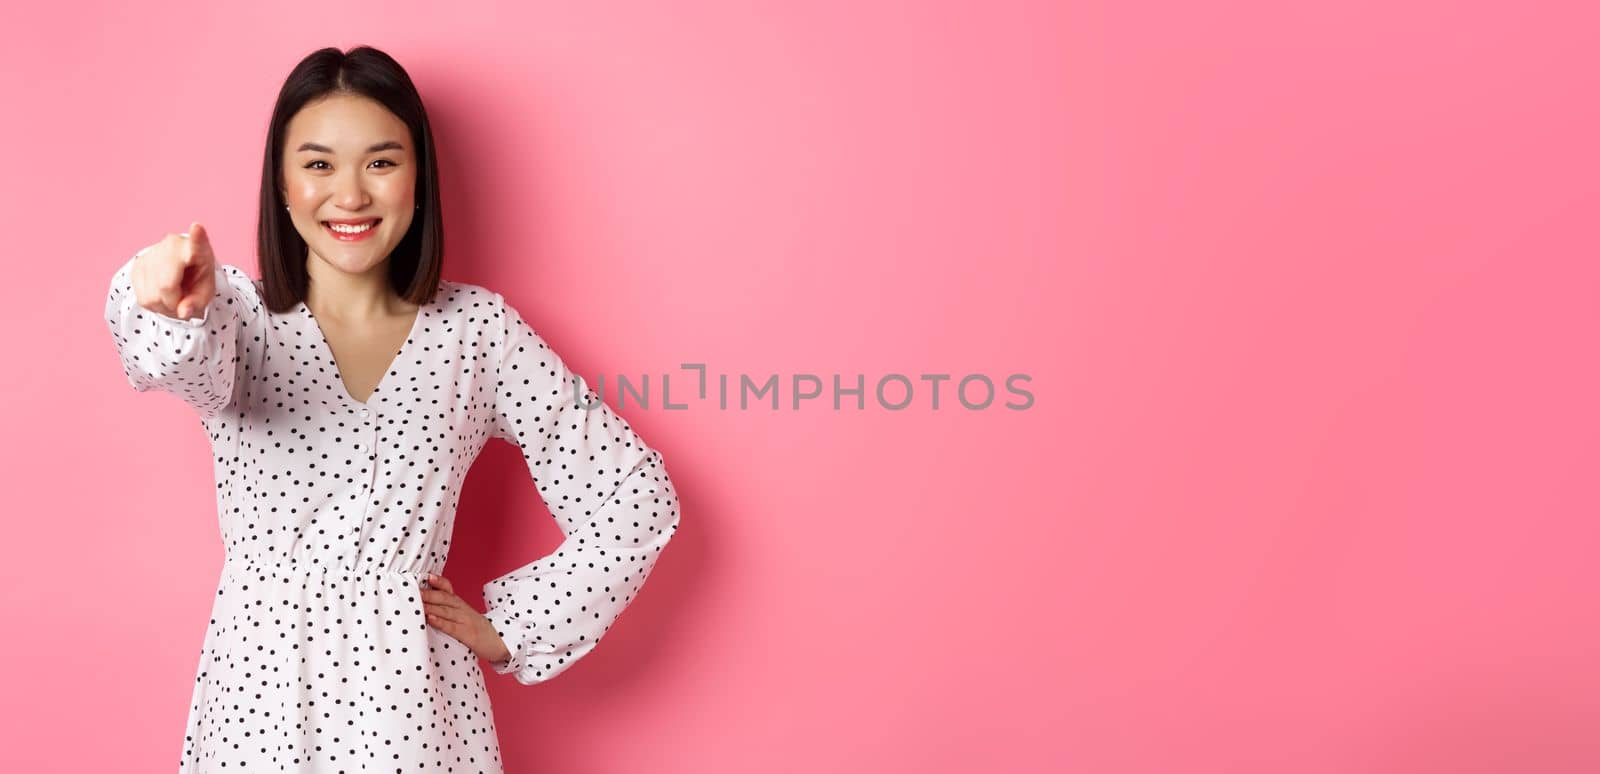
{"x":313,"y":164}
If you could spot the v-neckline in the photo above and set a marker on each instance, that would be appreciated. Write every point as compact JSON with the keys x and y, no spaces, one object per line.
{"x":338,"y":374}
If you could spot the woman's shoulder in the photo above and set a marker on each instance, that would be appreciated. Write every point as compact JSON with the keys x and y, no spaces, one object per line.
{"x":466,"y":297}
{"x":475,"y":305}
{"x":483,"y":302}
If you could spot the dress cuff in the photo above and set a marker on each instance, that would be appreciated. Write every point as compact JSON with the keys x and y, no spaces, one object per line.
{"x":522,"y":643}
{"x":515,"y":637}
{"x":197,"y":322}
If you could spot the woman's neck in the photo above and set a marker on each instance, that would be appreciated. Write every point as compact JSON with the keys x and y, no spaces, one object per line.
{"x":343,"y":297}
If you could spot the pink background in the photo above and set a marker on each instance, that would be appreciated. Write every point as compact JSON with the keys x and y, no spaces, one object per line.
{"x":1308,"y":296}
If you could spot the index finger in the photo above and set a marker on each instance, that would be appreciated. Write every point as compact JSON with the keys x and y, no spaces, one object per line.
{"x":199,"y":239}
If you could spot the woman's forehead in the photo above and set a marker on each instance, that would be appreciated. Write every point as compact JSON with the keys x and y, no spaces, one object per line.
{"x":345,"y":123}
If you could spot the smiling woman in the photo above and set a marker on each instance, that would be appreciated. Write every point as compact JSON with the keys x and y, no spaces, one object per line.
{"x":346,"y":395}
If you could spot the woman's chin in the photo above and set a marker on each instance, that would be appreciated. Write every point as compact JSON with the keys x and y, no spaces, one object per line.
{"x":351,"y":258}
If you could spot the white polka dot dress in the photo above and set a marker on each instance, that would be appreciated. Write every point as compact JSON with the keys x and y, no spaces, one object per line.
{"x":318,"y":657}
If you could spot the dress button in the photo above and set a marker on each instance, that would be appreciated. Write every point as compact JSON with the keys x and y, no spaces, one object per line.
{"x":366,"y":413}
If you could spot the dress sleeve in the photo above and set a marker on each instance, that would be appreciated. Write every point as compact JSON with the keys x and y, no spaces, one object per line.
{"x":607,"y":490}
{"x":197,"y":359}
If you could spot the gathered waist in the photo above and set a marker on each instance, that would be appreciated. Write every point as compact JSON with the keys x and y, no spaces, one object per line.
{"x":284,"y":566}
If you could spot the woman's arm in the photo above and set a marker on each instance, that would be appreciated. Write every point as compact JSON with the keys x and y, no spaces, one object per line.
{"x":608,"y":491}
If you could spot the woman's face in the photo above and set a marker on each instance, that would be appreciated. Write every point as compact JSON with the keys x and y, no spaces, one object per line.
{"x":347,"y":158}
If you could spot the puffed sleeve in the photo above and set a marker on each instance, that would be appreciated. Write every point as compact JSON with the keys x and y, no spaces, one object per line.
{"x":198,"y":359}
{"x":607,"y":490}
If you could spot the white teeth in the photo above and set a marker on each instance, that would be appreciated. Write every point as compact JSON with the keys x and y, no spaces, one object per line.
{"x":343,"y":229}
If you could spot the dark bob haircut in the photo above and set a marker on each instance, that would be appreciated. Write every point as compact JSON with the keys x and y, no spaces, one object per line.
{"x":416,"y":262}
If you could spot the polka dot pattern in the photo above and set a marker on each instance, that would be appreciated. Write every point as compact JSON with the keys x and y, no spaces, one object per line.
{"x":332,"y":511}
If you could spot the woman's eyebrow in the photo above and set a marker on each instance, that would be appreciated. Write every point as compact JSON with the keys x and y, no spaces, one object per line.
{"x":386,"y":145}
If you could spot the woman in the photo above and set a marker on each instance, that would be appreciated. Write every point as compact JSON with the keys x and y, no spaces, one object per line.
{"x":346,"y":394}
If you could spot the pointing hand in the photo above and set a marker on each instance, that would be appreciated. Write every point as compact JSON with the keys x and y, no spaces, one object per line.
{"x":176,"y":276}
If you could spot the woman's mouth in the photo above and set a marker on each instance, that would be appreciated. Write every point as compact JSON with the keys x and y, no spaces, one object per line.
{"x":351,"y":231}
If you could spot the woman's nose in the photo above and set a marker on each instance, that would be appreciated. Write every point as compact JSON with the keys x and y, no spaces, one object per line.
{"x":350,"y":191}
